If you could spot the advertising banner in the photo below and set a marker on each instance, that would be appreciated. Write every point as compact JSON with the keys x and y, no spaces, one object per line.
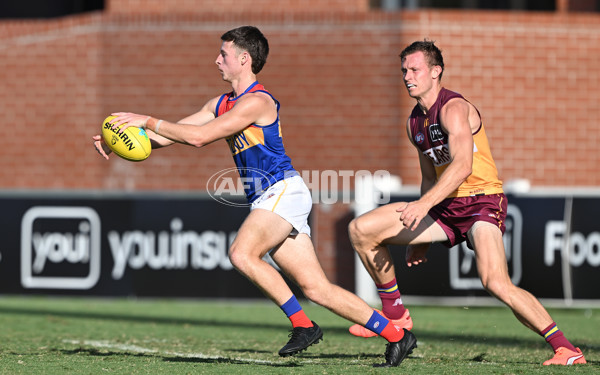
{"x":178,"y":247}
{"x":149,"y":246}
{"x":543,"y":255}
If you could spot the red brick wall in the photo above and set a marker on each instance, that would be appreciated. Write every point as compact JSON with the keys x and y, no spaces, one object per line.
{"x":534,"y":77}
{"x":236,"y":6}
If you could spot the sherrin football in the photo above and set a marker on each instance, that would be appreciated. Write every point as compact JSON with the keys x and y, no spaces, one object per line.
{"x":133,"y":144}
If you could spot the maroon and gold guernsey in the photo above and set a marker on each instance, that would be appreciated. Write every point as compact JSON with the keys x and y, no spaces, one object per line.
{"x":428,"y":135}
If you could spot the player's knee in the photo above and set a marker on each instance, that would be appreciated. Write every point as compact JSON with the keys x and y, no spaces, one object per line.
{"x":312,"y":294}
{"x":237,"y":257}
{"x":357,"y":232}
{"x":316,"y":292}
{"x":498,"y":287}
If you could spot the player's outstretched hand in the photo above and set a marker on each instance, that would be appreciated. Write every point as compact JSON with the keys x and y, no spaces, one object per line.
{"x":100,"y":146}
{"x":415,"y":254}
{"x":127,"y":119}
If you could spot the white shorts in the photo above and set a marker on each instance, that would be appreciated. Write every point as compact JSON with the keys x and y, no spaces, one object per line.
{"x":290,"y":199}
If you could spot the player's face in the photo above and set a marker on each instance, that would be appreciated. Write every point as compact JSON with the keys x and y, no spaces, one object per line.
{"x":417,"y":74}
{"x":228,"y":61}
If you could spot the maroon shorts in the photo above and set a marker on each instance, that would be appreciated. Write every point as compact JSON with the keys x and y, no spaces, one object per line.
{"x":457,"y":215}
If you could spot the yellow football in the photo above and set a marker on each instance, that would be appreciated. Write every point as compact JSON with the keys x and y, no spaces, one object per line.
{"x":132,"y":144}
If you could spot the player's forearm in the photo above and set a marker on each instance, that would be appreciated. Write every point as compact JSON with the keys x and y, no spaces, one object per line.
{"x":158,"y":141}
{"x":166,"y":133}
{"x":426,"y":184}
{"x":448,"y":182}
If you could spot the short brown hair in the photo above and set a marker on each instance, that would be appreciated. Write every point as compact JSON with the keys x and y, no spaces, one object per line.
{"x":250,"y":39}
{"x":432,"y":53}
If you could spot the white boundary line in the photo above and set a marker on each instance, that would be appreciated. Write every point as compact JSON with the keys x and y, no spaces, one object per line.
{"x":139,"y":349}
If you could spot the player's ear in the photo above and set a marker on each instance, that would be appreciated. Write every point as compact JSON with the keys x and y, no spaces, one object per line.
{"x":244,"y":57}
{"x":436,"y":71}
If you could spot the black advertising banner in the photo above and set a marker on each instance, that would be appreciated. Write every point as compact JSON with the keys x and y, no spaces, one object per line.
{"x":149,"y":246}
{"x":584,"y":243}
{"x":157,"y":245}
{"x":535,"y":239}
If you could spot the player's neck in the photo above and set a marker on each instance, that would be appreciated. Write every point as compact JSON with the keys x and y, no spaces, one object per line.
{"x":428,"y":99}
{"x":242,"y":83}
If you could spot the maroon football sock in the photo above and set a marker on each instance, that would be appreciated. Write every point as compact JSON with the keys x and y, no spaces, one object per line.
{"x":555,"y":338}
{"x":391,"y":301}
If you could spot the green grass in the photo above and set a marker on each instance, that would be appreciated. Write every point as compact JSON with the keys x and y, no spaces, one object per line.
{"x":43,"y":335}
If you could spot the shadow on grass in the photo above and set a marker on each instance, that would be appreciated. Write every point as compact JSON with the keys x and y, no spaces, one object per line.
{"x":292,"y":362}
{"x":230,"y":361}
{"x":343,"y":355}
{"x":174,"y":358}
{"x":246,"y":351}
{"x":102,"y":353}
{"x":199,"y":322}
{"x":467,"y":340}
{"x":422,"y":334}
{"x":140,"y":318}
{"x":295,"y":362}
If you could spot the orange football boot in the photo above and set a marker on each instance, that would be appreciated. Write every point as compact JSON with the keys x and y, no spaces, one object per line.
{"x":566,"y":357}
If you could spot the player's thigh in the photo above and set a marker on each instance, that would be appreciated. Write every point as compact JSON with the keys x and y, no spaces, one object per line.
{"x":383,"y":226}
{"x":490,"y":254}
{"x":260,"y":232}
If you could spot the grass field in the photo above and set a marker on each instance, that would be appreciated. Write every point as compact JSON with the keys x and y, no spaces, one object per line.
{"x":43,"y":335}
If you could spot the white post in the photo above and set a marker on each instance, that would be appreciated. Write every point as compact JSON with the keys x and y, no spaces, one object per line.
{"x":368,"y":191}
{"x":363,"y":195}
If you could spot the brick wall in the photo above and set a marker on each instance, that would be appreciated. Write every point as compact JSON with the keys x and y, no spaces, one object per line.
{"x":235,"y":6}
{"x":534,"y":77}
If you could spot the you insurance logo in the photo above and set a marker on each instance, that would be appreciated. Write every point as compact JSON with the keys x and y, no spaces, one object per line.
{"x":52,"y":237}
